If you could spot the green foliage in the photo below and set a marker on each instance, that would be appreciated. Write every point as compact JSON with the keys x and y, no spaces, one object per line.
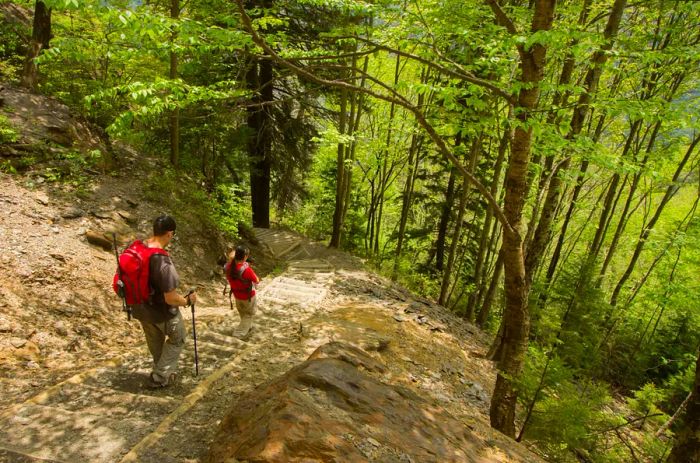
{"x":645,"y":401}
{"x":8,"y":134}
{"x":230,"y":207}
{"x":568,"y":410}
{"x":150,"y":101}
{"x":12,"y":49}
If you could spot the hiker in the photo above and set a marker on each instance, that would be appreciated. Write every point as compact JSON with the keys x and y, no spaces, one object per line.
{"x":242,"y":280}
{"x":160,"y":316}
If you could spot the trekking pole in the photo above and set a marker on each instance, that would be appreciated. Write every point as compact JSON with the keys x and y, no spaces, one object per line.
{"x":194,"y":336}
{"x":120,"y":282}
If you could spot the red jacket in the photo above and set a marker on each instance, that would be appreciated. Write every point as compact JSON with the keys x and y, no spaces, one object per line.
{"x":242,"y":287}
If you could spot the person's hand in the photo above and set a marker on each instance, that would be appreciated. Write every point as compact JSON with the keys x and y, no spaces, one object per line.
{"x":191,"y":298}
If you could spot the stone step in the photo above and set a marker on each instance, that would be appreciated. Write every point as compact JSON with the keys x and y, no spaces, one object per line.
{"x":313,"y":268}
{"x":216,"y":348}
{"x":296,"y":286}
{"x":56,"y":434}
{"x":310,"y":263}
{"x":300,"y":253}
{"x":221,"y":339}
{"x":289,"y":249}
{"x":272,"y":300}
{"x":296,"y":296}
{"x":10,"y":456}
{"x":263,"y":231}
{"x":98,"y":400}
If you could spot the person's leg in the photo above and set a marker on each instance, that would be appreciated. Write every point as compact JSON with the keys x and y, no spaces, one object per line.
{"x":166,"y":368}
{"x":246,"y":309}
{"x":154,"y":339}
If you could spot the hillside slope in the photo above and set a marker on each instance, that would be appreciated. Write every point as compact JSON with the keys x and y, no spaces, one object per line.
{"x":73,"y":368}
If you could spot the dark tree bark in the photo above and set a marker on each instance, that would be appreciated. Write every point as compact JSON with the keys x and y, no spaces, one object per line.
{"x":340,"y":174}
{"x":175,"y":113}
{"x":260,"y":79}
{"x":445,"y":215}
{"x":41,"y":36}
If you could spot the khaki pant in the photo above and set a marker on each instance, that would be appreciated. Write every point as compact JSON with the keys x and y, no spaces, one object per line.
{"x":246,"y":309}
{"x":165,"y":352}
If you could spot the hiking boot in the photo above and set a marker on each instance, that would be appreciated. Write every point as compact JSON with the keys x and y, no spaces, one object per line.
{"x":243,"y":329}
{"x":153,"y":384}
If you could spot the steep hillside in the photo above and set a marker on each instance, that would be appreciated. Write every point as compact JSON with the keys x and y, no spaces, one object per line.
{"x":408,"y":382}
{"x":58,"y":310}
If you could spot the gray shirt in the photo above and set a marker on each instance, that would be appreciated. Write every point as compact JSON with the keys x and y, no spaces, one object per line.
{"x":163,"y":278}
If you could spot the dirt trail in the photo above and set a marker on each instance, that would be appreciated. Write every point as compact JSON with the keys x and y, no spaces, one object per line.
{"x":105,"y":414}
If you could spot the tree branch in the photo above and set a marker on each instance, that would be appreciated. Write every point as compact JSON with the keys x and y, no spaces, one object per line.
{"x":418,"y":114}
{"x":459,"y":74}
{"x":501,"y":17}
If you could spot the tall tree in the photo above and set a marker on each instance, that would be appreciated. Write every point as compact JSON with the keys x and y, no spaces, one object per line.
{"x":175,"y":113}
{"x":41,"y":36}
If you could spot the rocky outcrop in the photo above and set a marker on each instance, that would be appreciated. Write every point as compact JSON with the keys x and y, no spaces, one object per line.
{"x":44,"y":123}
{"x":335,"y":408}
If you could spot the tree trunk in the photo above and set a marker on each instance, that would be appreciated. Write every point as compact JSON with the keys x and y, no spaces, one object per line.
{"x":350,"y":155}
{"x":473,"y":158}
{"x":175,"y":113}
{"x":453,"y":245}
{"x":340,"y":174}
{"x":484,"y":242}
{"x":445,"y":221}
{"x":260,"y":78}
{"x":413,"y":161}
{"x":687,"y":446}
{"x":516,"y":316}
{"x":41,"y":36}
{"x":543,"y":233}
{"x":490,"y":294}
{"x":407,"y":197}
{"x":384,"y":178}
{"x":596,"y":244}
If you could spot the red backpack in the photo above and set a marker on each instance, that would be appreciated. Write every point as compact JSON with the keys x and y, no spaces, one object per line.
{"x":133,"y":273}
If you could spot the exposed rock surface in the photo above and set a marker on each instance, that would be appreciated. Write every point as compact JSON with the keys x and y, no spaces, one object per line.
{"x":44,"y":121}
{"x":335,"y":407}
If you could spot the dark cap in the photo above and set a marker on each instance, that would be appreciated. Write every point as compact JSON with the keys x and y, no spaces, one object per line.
{"x":163,"y":224}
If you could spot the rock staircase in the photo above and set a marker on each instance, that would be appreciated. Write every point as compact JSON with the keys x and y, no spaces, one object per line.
{"x":106,"y":414}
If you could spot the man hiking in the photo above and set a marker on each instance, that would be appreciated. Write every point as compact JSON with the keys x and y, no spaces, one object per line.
{"x":242,"y":280}
{"x":160,"y":315}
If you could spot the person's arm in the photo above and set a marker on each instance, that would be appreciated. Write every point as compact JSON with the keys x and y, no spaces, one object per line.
{"x":173,"y":298}
{"x":250,"y":273}
{"x":168,"y":283}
